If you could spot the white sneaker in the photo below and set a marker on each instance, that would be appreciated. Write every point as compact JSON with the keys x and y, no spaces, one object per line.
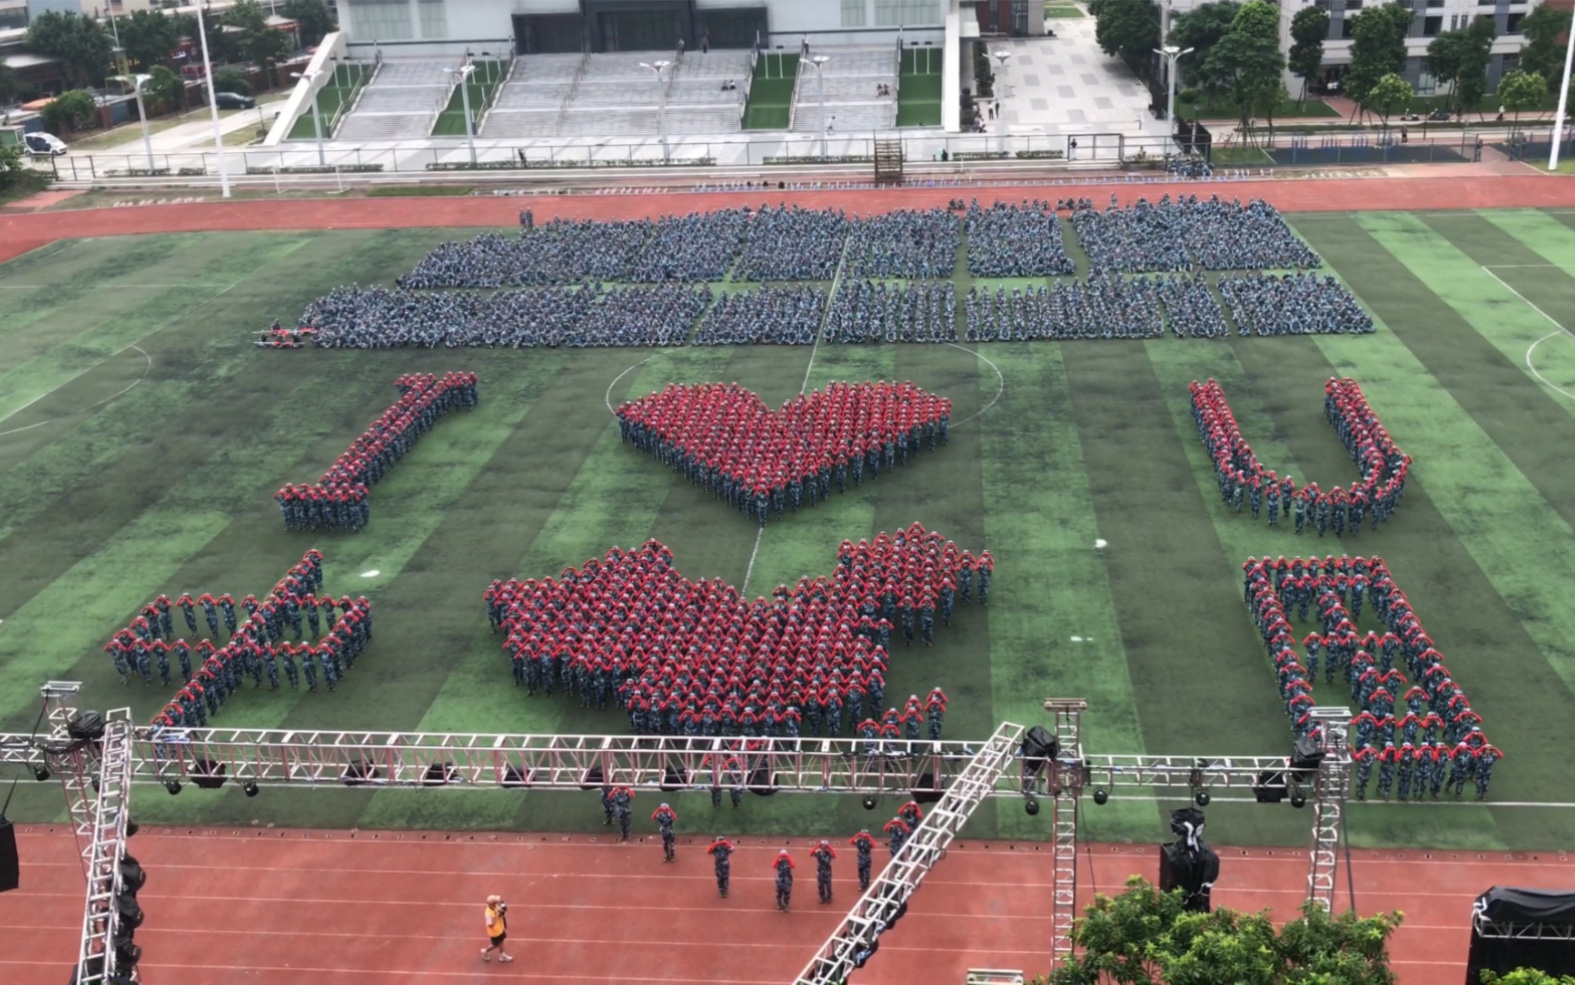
{"x":505,"y":957}
{"x":484,"y":955}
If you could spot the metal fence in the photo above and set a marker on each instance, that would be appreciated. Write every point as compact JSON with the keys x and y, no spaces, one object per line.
{"x":1092,"y":150}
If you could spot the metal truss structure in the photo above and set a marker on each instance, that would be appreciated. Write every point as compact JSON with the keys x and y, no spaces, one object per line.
{"x":1499,"y":930}
{"x":954,"y":771}
{"x":98,"y":958}
{"x":76,"y":763}
{"x":1332,"y":786}
{"x":887,"y":897}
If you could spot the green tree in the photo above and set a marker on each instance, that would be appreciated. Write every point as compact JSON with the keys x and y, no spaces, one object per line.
{"x":1309,"y":28}
{"x":1543,"y":52}
{"x":10,"y":84}
{"x":1377,"y":48}
{"x":76,"y":109}
{"x":1460,"y":58}
{"x":17,"y":177}
{"x":1248,"y":59}
{"x":149,"y":36}
{"x":74,"y":39}
{"x":231,"y":79}
{"x":1390,"y":94}
{"x":1201,"y":29}
{"x":166,"y":89}
{"x":259,"y":43}
{"x":1127,"y":29}
{"x":1144,"y":936}
{"x":1522,"y":90}
{"x":1525,"y":976}
{"x":313,"y":18}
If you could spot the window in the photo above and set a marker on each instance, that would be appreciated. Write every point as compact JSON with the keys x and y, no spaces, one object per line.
{"x":909,"y":13}
{"x":1347,"y":29}
{"x":1432,"y":26}
{"x":1353,"y":4}
{"x":1435,"y":3}
{"x":434,"y":19}
{"x":1512,"y":25}
{"x":380,"y":20}
{"x":853,"y":13}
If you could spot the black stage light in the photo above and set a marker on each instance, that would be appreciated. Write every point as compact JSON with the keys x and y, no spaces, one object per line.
{"x":869,"y":803}
{"x":40,"y":772}
{"x":1101,"y":795}
{"x":173,"y":786}
{"x":1202,"y":798}
{"x":1031,"y":805}
{"x":250,"y":788}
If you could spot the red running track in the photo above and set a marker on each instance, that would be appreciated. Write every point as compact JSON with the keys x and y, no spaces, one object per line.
{"x":275,"y":907}
{"x":21,"y":231}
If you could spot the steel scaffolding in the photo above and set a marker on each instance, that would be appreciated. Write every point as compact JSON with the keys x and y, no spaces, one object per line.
{"x":1332,"y":785}
{"x":98,"y":959}
{"x":888,"y":894}
{"x":955,"y":771}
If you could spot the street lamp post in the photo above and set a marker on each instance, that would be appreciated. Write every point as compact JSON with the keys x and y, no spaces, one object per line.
{"x":1001,"y":56}
{"x":1564,"y":98}
{"x":658,"y":68}
{"x":213,"y":106}
{"x":317,"y":118}
{"x":463,"y":74}
{"x":1171,"y":54}
{"x":819,"y":61}
{"x":137,"y":81}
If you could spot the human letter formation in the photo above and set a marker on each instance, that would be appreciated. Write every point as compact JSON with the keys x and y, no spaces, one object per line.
{"x":254,"y":647}
{"x":695,"y":658}
{"x":1244,"y":481}
{"x":1440,"y":739}
{"x":760,"y":461}
{"x":340,"y":500}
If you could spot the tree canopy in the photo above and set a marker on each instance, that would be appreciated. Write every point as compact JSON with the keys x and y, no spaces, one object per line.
{"x":1521,"y":90}
{"x":1201,"y":29}
{"x":149,"y":36}
{"x":259,"y":43}
{"x":74,"y":39}
{"x":1391,"y":93}
{"x":1525,"y":976}
{"x":1543,"y":53}
{"x":313,"y":19}
{"x":1247,"y":61}
{"x":1144,"y":937}
{"x":1126,"y":29}
{"x":1309,"y":28}
{"x":1460,"y":59}
{"x":165,"y":88}
{"x":76,"y":109}
{"x":1377,"y":48}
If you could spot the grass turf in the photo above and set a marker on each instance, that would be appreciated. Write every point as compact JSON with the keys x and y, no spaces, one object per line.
{"x":113,"y":497}
{"x":771,"y":92}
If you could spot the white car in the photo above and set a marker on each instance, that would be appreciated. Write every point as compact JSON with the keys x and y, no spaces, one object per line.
{"x":44,"y":145}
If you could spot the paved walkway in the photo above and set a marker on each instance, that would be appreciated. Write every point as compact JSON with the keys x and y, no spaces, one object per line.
{"x":1066,"y":85}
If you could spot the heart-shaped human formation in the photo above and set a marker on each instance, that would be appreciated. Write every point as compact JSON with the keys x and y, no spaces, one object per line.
{"x":759,"y":460}
{"x":697,"y":658}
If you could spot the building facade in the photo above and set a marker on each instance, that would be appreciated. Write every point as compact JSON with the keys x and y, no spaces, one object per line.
{"x":441,"y":27}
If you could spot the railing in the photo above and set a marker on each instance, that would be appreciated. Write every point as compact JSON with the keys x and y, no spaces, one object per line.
{"x":574,"y":89}
{"x":1136,"y":156}
{"x":481,"y":118}
{"x":347,"y":106}
{"x":798,"y":78}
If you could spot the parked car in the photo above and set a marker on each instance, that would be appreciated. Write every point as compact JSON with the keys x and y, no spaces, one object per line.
{"x":233,"y":100}
{"x":44,"y":145}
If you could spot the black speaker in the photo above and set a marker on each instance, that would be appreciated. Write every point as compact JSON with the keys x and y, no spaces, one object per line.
{"x":132,"y":876}
{"x":1270,"y":788}
{"x":592,"y":778}
{"x":86,"y":726}
{"x":10,"y":865}
{"x":358,"y":772}
{"x":208,"y":774}
{"x":928,"y":796}
{"x":674,"y":778}
{"x":762,"y":781}
{"x":1040,"y":744}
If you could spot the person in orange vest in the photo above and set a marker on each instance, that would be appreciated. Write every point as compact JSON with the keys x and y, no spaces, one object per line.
{"x":497,"y":929}
{"x":721,"y":852}
{"x":823,"y":855}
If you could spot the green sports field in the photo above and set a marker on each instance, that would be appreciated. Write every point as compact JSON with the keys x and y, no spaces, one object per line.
{"x":109,"y":496}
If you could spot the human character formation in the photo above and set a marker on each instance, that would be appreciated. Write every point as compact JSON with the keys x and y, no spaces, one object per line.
{"x":1188,"y":233}
{"x":340,"y":500}
{"x":763,"y":463}
{"x":694,"y":658}
{"x":1243,"y":481}
{"x":329,"y":636}
{"x":1419,"y":730}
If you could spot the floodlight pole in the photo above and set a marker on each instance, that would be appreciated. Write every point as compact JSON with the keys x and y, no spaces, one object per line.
{"x":1564,"y":96}
{"x":819,"y":61}
{"x":317,"y":118}
{"x":1001,"y":56}
{"x":658,"y":67}
{"x":463,"y":73}
{"x":137,"y":81}
{"x":1172,"y":54}
{"x":213,"y":106}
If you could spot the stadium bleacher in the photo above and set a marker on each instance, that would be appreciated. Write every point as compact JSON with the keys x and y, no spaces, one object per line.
{"x":852,"y":77}
{"x":530,"y":102}
{"x":400,"y":103}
